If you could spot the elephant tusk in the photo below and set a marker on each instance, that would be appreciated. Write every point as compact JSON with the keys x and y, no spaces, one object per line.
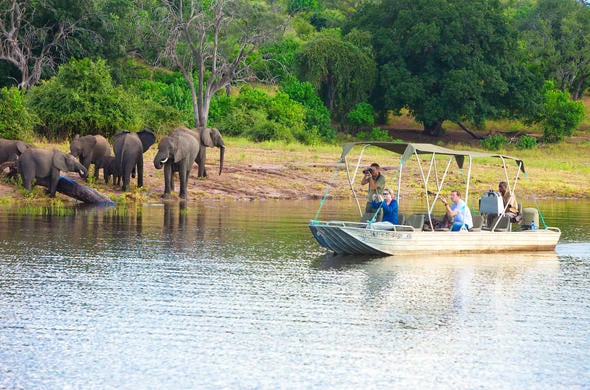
{"x":164,"y":160}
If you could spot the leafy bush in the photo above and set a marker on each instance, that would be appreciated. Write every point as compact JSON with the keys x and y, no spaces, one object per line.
{"x":82,"y":99}
{"x":526,"y":142}
{"x":561,"y":114}
{"x":376,"y":134}
{"x":317,"y":116}
{"x":263,"y":129}
{"x":219,"y":107}
{"x":494,"y":142}
{"x":16,"y":121}
{"x":261,"y":117}
{"x":362,"y":115}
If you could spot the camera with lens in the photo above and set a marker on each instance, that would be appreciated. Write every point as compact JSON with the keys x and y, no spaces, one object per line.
{"x":368,"y":170}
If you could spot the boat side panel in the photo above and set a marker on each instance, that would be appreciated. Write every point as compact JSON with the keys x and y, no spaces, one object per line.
{"x":351,"y":240}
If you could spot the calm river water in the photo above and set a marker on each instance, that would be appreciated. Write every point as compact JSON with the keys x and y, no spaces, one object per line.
{"x":239,"y":295}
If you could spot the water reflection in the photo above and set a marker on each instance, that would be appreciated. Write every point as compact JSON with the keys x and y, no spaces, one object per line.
{"x":422,"y":292}
{"x":173,"y":295}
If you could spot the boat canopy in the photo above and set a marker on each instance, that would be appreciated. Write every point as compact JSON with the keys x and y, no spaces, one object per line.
{"x":407,"y":150}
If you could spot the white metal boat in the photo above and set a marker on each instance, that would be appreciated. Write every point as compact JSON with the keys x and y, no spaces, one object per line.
{"x":435,"y":164}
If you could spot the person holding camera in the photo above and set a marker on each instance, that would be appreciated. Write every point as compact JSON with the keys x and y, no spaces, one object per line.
{"x":459,"y":211}
{"x":376,"y":181}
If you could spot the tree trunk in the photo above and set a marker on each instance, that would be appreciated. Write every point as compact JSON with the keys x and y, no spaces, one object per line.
{"x":433,"y":129}
{"x":468,"y":131}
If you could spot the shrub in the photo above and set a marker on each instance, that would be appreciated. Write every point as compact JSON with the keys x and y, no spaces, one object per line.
{"x":376,"y":134}
{"x":362,"y":115}
{"x":317,"y":116}
{"x":526,"y":142}
{"x":16,"y":121}
{"x":561,"y":114}
{"x":82,"y":99}
{"x":494,"y":142}
{"x":261,"y":117}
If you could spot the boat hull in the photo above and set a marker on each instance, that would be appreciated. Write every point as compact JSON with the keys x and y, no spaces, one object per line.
{"x":356,"y":239}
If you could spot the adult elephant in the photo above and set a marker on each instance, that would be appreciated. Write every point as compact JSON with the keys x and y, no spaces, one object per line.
{"x":11,"y":149}
{"x":177,"y":153}
{"x":209,"y":137}
{"x":45,"y":166}
{"x":129,"y":149}
{"x":91,"y":149}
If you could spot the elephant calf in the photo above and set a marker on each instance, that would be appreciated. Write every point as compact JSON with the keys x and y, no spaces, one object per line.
{"x":91,"y":149}
{"x":45,"y":166}
{"x":111,"y":168}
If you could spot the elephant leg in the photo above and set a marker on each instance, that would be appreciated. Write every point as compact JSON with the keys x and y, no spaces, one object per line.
{"x":167,"y":180}
{"x":96,"y":171}
{"x":53,"y":186}
{"x":27,"y":182}
{"x":126,"y":179}
{"x":183,"y":177}
{"x":140,"y":171}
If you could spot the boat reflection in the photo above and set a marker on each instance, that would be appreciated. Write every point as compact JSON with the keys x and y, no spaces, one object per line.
{"x":412,"y":292}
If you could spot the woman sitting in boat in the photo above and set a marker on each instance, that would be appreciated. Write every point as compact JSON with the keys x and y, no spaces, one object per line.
{"x":459,"y":211}
{"x":388,"y":204}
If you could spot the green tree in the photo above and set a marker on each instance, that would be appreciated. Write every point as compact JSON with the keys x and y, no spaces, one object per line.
{"x":342,"y":73}
{"x":81,"y":99}
{"x":557,"y":36}
{"x":447,"y":60}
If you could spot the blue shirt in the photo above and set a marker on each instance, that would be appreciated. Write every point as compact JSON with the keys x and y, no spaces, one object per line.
{"x":463,"y":216}
{"x":389,"y":210}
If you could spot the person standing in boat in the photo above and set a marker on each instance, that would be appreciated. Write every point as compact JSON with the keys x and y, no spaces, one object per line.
{"x":376,"y":182}
{"x":459,"y":211}
{"x":389,"y":205}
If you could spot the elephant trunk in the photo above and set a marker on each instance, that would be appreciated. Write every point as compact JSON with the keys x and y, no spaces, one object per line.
{"x":83,"y":172}
{"x":221,"y":154}
{"x":158,"y":162}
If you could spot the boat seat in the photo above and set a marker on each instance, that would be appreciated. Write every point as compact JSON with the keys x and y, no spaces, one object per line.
{"x":401,"y":218}
{"x":416,"y":221}
{"x":503,"y":225}
{"x":477,"y":223}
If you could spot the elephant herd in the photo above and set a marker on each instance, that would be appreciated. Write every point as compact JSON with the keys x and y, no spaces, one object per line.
{"x":176,"y":153}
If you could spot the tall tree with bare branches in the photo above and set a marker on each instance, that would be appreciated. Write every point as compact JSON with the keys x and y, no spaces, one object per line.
{"x":32,"y":35}
{"x":212,"y":42}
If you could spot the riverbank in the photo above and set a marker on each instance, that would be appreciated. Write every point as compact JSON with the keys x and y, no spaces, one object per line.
{"x":267,"y":171}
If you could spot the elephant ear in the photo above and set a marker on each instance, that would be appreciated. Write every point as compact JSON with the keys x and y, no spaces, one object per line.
{"x":88,"y":142}
{"x":147,"y":138}
{"x":211,"y":137}
{"x":59,"y":160}
{"x":21,"y":147}
{"x":206,"y":137}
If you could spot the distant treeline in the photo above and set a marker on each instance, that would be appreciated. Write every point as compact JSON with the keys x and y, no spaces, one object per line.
{"x":293,"y":70}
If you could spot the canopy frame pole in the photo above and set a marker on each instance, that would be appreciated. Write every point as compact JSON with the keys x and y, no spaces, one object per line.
{"x":440,"y":185}
{"x":351,"y":180}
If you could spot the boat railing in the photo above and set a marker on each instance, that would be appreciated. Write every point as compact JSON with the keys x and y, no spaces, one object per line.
{"x":363,"y":225}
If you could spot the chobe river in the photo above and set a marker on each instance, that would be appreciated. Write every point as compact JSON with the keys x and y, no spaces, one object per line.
{"x":239,"y":295}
